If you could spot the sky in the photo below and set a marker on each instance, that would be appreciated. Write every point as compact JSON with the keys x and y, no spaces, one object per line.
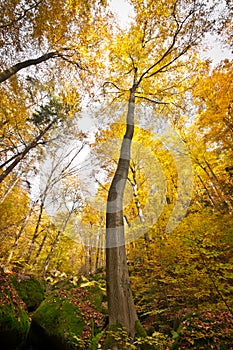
{"x":123,"y":10}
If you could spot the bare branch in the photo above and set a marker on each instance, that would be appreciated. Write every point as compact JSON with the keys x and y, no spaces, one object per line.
{"x":163,"y":68}
{"x":153,"y":101}
{"x":111,"y":83}
{"x":69,"y":60}
{"x":179,"y":27}
{"x":23,"y":154}
{"x":21,"y":16}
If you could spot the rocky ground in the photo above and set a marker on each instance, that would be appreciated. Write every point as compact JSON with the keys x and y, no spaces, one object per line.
{"x":72,"y":315}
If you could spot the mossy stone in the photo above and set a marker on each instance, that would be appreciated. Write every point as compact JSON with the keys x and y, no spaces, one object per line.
{"x":66,"y":320}
{"x":30,"y":290}
{"x":61,"y":321}
{"x":14,"y":321}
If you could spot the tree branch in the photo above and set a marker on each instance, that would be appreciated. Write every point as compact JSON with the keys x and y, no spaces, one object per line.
{"x":179,"y":27}
{"x":153,"y":101}
{"x":9,"y":72}
{"x":27,"y":149}
{"x":111,"y":83}
{"x":21,"y":16}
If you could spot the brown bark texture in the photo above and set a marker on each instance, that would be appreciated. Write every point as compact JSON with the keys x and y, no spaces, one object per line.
{"x":121,"y":306}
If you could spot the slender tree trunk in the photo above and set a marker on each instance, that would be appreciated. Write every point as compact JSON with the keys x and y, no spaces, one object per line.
{"x":215,"y":185}
{"x":97,"y":258}
{"x":121,"y":306}
{"x":9,"y":190}
{"x":49,"y":256}
{"x":15,"y":245}
{"x":90,"y":253}
{"x":212,"y":201}
{"x":35,"y":234}
{"x":98,"y":255}
{"x":41,"y":246}
{"x":220,"y":188}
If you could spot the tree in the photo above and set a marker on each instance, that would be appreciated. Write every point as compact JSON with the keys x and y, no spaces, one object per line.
{"x":34,"y":22}
{"x":12,"y":219}
{"x":49,"y":115}
{"x":209,"y":137}
{"x":151,"y":57}
{"x":31,"y":30}
{"x":9,"y":72}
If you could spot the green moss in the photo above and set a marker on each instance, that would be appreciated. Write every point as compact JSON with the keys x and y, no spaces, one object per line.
{"x":68,"y":318}
{"x":140,"y":331}
{"x":10,"y":320}
{"x":60,"y":319}
{"x":30,"y":290}
{"x":14,"y":322}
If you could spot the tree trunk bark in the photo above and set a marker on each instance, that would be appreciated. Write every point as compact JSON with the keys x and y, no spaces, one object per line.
{"x":121,"y":306}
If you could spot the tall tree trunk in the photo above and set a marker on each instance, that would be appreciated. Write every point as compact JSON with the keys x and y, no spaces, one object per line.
{"x":121,"y":306}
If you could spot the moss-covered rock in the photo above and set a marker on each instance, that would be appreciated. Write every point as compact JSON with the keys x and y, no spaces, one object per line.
{"x":67,"y":320}
{"x":30,"y":290}
{"x":14,"y":322}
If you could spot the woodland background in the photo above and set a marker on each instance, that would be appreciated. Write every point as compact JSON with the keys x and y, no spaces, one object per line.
{"x":53,"y":75}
